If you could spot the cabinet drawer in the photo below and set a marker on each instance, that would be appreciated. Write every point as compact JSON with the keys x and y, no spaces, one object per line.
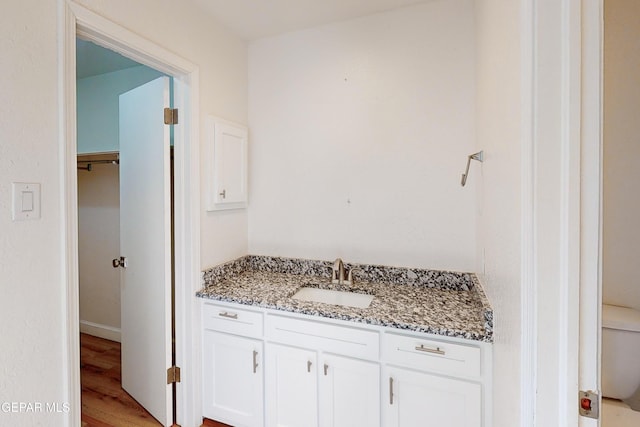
{"x":316,"y":335}
{"x":432,"y":355}
{"x":232,"y":320}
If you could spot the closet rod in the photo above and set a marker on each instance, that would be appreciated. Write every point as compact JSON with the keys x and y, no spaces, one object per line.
{"x":90,"y":163}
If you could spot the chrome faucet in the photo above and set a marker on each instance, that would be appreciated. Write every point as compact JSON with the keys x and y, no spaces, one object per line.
{"x":338,"y":274}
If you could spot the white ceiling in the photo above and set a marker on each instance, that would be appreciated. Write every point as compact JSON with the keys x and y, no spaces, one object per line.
{"x":250,"y":20}
{"x":253,"y":19}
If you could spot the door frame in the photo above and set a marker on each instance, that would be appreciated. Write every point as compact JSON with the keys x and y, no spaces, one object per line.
{"x":562,"y":209}
{"x":75,"y":20}
{"x":590,"y":348}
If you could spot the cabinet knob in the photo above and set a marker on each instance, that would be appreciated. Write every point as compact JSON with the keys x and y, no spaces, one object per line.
{"x":223,"y":193}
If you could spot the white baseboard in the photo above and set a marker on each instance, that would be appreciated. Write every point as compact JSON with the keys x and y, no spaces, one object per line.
{"x":98,"y":330}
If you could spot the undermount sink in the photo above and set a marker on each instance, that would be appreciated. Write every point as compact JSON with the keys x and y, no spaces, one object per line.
{"x":329,"y":296}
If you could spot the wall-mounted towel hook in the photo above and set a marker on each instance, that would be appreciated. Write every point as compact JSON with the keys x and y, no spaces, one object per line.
{"x":479,"y":156}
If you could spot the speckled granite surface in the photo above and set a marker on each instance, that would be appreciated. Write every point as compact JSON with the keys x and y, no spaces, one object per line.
{"x":437,"y":302}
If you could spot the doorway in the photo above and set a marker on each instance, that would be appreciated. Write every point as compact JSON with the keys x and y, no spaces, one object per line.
{"x":621,"y":208}
{"x":118,"y":206}
{"x":101,"y":77}
{"x":596,"y":125}
{"x":78,"y":21}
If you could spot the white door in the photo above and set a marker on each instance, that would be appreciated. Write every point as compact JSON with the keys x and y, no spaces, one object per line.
{"x":145,"y":240}
{"x":349,"y":392}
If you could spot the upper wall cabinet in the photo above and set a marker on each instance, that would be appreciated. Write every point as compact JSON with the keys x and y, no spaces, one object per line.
{"x":226,"y":166}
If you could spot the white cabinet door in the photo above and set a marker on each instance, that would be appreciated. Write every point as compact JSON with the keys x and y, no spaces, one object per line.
{"x":233,"y":379}
{"x":419,"y":399}
{"x":291,"y":387}
{"x":227,"y":164}
{"x":349,"y":392}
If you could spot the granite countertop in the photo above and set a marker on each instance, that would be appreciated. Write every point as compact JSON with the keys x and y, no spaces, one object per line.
{"x":437,"y":302}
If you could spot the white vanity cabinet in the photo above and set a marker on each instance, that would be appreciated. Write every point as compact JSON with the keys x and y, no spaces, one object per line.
{"x":332,"y":391}
{"x":317,"y":374}
{"x":429,"y":382}
{"x":332,"y":373}
{"x":232,"y":366}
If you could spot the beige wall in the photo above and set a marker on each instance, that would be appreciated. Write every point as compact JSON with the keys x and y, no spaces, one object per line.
{"x":32,"y":282}
{"x":360,"y":131}
{"x":498,"y":124}
{"x":621,"y":233}
{"x":98,"y":244}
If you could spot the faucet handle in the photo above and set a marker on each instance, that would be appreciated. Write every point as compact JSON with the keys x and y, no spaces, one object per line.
{"x":350,"y":276}
{"x":349,"y":280}
{"x":337,"y":273}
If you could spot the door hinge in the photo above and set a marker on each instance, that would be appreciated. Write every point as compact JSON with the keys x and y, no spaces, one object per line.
{"x":589,"y":404}
{"x":173,"y":375}
{"x":170,"y":116}
{"x":120,"y":262}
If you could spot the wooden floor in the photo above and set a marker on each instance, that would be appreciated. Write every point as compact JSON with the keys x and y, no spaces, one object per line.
{"x":210,"y":423}
{"x":104,"y":402}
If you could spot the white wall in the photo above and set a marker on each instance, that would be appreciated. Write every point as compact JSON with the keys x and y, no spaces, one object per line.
{"x":529,"y":218}
{"x":498,"y":124}
{"x":222,"y":58}
{"x":30,"y":270}
{"x":621,"y":244}
{"x":359,"y":133}
{"x":98,"y":98}
{"x":98,"y":244}
{"x":31,"y":274}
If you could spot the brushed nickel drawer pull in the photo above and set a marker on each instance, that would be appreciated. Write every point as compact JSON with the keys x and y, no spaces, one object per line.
{"x":430,"y":350}
{"x":228,"y":315}
{"x":326,"y":368}
{"x":308,"y":366}
{"x":255,"y":361}
{"x":390,"y":390}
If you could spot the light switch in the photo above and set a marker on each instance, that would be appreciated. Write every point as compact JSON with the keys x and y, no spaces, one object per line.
{"x":26,"y":201}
